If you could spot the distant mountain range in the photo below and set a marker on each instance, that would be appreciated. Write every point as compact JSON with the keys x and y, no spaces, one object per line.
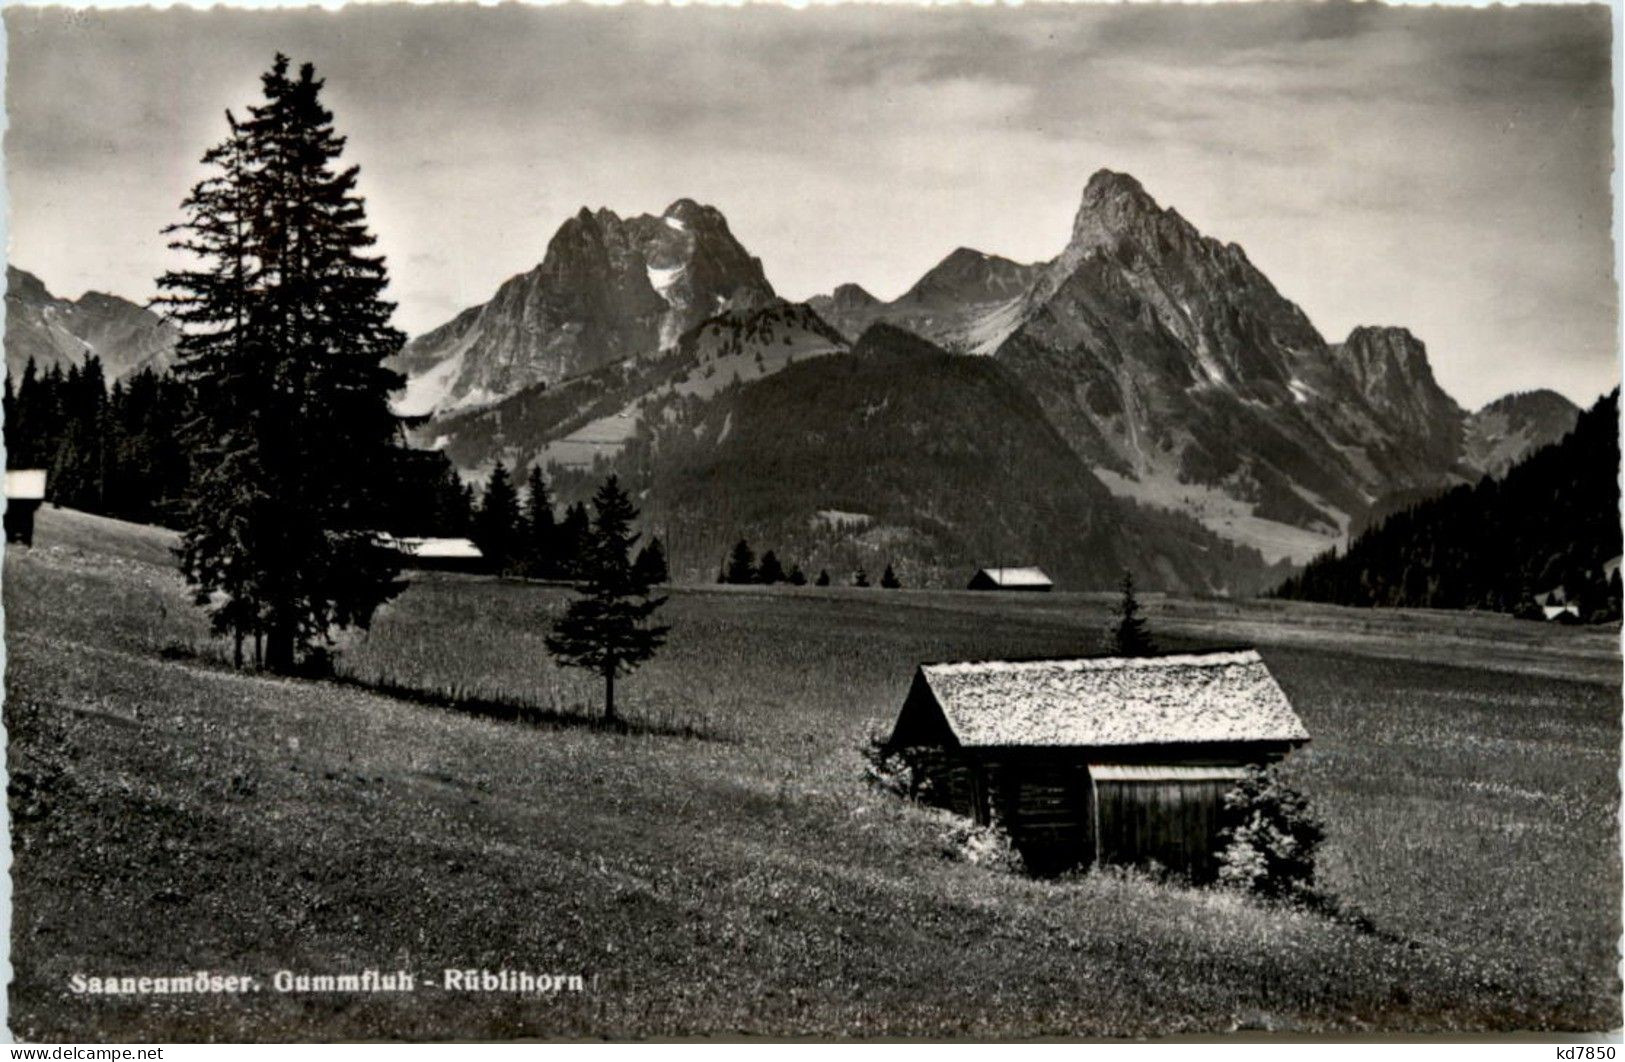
{"x":1174,"y":372}
{"x":59,"y":332}
{"x":1210,"y":434}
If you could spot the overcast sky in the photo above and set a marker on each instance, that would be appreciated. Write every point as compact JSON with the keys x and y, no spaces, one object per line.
{"x":1446,"y":170}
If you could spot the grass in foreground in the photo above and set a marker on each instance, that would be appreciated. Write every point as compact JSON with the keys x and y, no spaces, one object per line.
{"x":171,"y":816}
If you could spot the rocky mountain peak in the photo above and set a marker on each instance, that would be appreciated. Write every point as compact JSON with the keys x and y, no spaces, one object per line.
{"x":966,"y":257}
{"x":1513,"y":426}
{"x":22,"y":284}
{"x":607,"y":288}
{"x":1105,"y":184}
{"x":1389,"y":368}
{"x":1116,"y":209}
{"x":852,"y":296}
{"x":1541,"y":400}
{"x":971,"y":276}
{"x":1380,"y":355}
{"x":689,"y":210}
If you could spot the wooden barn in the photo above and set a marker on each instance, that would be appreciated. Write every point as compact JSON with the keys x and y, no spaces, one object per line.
{"x":25,"y":492}
{"x":1030,"y":579}
{"x":1096,"y":760}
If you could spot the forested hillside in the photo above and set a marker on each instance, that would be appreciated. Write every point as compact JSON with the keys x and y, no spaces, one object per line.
{"x":897,"y":453}
{"x":1551,"y":524}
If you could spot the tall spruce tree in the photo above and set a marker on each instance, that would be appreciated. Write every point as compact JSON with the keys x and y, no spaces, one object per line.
{"x":1130,"y":637}
{"x":741,"y":567}
{"x":497,"y":524}
{"x":608,"y":629}
{"x":541,"y":529}
{"x":650,"y":565}
{"x":573,"y":557}
{"x":770,"y":570}
{"x":22,"y":428}
{"x":285,"y":333}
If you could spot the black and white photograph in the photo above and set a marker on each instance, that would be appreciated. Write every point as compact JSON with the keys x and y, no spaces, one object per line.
{"x":1056,"y":521}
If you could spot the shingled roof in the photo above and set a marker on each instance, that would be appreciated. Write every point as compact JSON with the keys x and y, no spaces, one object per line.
{"x":1014,"y":577}
{"x":1103,"y":701}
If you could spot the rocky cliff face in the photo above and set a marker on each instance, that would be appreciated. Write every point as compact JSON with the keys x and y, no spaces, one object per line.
{"x":62,"y":332}
{"x":607,"y":289}
{"x":1175,"y":367}
{"x":1389,"y":367}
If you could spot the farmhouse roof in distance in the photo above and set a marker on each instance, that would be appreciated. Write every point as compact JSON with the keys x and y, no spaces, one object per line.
{"x":25,"y":484}
{"x":460,"y":548}
{"x":1012,"y":578}
{"x":1104,"y":701}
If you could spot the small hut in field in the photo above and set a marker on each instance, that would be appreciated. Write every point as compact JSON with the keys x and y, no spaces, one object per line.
{"x":1029,"y":579}
{"x":25,"y":492}
{"x":1096,"y":760}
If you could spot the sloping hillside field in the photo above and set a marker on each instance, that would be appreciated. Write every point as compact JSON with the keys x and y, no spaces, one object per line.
{"x":724,"y":868}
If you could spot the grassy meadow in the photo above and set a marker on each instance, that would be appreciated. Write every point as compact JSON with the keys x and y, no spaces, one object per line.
{"x":722,"y":868}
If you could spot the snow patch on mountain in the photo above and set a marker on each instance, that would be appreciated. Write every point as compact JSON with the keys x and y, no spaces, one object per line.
{"x":767,"y":353}
{"x":425,"y":393}
{"x":984,"y":335}
{"x":662,"y":279}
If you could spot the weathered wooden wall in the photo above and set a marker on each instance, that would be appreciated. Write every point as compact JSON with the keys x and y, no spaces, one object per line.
{"x":1175,"y":823}
{"x":948,"y":779}
{"x":1047,"y":801}
{"x":1044,"y":800}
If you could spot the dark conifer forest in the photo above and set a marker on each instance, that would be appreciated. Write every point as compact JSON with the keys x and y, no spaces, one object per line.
{"x":1543,"y":534}
{"x":119,"y":452}
{"x":113,"y":452}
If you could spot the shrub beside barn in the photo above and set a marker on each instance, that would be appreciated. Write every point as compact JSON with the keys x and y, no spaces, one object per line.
{"x":1096,"y":760}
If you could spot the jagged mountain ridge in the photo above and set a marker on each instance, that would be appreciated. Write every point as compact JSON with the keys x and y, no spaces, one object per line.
{"x":1173,"y":368}
{"x":958,"y":291}
{"x":607,"y":289}
{"x":58,"y":332}
{"x":591,"y":417}
{"x":1180,"y":373}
